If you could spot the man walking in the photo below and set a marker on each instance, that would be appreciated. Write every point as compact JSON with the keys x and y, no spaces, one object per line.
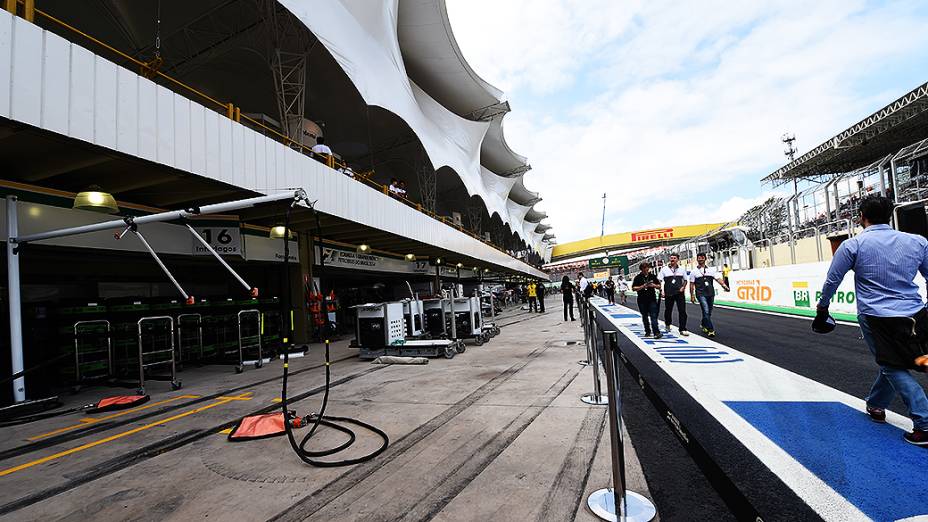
{"x":567,"y":294}
{"x":540,"y":290}
{"x":610,"y":290}
{"x":585,"y":287}
{"x":647,"y":285}
{"x":891,"y":314}
{"x":622,"y":288}
{"x":532,"y":297}
{"x":674,"y":278}
{"x":702,"y":288}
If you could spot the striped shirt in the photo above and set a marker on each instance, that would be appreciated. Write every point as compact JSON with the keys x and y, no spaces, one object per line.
{"x":884,"y":262}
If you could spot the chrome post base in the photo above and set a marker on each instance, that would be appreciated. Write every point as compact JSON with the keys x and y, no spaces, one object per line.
{"x":637,"y":507}
{"x":595,"y":400}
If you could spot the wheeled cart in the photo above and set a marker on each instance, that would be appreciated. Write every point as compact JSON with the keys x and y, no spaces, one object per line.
{"x":380,"y":330}
{"x":156,"y":348}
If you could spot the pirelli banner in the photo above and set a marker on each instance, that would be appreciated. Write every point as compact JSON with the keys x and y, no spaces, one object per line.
{"x":792,"y":289}
{"x":627,"y":239}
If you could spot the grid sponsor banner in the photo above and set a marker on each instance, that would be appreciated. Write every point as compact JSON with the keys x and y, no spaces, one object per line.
{"x":792,"y":286}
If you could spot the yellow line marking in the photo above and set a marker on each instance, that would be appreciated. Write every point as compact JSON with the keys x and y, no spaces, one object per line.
{"x":225,"y":431}
{"x":90,"y":420}
{"x":111,"y":438}
{"x":277,"y":399}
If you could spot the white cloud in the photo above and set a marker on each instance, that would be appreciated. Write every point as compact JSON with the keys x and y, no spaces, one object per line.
{"x":673,"y":104}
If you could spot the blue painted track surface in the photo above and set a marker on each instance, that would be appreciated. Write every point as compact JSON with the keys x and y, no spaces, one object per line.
{"x":869,"y":464}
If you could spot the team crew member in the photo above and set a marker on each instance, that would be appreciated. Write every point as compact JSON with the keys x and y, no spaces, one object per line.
{"x":540,"y":290}
{"x":702,"y":288}
{"x":586,"y":289}
{"x":610,"y":290}
{"x":674,"y":278}
{"x":726,"y":271}
{"x":532,"y":291}
{"x":891,"y":314}
{"x":567,"y":293}
{"x":622,"y":287}
{"x":647,"y":285}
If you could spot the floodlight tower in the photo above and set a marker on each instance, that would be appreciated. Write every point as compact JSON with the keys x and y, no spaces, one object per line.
{"x":602,"y":228}
{"x":790,"y":152}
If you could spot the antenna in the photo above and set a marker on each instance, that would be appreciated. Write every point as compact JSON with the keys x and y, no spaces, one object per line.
{"x":602,"y":229}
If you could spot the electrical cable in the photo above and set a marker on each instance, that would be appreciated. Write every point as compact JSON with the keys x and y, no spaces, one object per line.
{"x":319,"y":419}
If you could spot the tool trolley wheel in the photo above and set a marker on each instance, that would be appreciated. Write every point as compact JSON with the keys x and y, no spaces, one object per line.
{"x":239,"y":369}
{"x":460,"y":347}
{"x":176,"y":385}
{"x":449,"y":352}
{"x":140,"y":390}
{"x":478,"y":340}
{"x":258,"y":364}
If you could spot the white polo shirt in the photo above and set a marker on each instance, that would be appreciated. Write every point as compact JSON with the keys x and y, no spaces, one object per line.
{"x":673,"y":279}
{"x":322,"y":148}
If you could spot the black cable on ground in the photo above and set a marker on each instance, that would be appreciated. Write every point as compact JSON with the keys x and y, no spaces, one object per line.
{"x":319,"y":419}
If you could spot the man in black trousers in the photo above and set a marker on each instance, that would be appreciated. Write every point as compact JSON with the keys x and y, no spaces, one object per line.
{"x":674,"y":278}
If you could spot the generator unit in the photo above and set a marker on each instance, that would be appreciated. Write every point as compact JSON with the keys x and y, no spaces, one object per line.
{"x":436,"y":317}
{"x":414,"y":316}
{"x":381,"y":330}
{"x":468,"y":318}
{"x":379,"y":324}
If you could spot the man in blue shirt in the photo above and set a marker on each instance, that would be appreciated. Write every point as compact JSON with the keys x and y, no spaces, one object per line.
{"x":884,"y":262}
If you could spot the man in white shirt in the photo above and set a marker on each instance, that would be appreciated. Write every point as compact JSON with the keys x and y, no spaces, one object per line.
{"x":321,"y":148}
{"x":583,"y":284}
{"x":674,"y":278}
{"x":702,"y":288}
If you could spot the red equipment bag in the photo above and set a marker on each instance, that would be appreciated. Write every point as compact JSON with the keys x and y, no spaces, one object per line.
{"x":119,"y":402}
{"x":258,"y":427}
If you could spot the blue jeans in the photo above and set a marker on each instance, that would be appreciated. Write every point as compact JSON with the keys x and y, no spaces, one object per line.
{"x":706,"y":302}
{"x":895,"y":380}
{"x":649,"y":312}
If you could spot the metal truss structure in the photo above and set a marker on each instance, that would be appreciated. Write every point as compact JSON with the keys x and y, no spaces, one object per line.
{"x":428,"y":185}
{"x":900,"y":123}
{"x":475,"y":218}
{"x":490,"y":112}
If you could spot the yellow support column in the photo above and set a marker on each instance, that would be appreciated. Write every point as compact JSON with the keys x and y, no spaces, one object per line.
{"x":29,"y":10}
{"x":10,"y":5}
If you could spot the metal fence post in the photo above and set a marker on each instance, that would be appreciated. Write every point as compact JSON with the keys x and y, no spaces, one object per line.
{"x":584,"y":323}
{"x":596,"y":398}
{"x":603,"y":502}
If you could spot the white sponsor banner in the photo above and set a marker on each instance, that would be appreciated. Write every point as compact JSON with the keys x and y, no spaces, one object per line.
{"x":793,"y":286}
{"x":353,"y":260}
{"x":226,"y":241}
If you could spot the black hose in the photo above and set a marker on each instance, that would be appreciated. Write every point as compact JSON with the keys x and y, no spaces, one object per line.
{"x":319,"y":419}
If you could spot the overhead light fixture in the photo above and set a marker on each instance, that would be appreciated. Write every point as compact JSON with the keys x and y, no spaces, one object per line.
{"x":363,"y":249}
{"x":486,"y":270}
{"x":279,"y":231}
{"x":459,"y":265}
{"x":94,"y":199}
{"x":410,"y":257}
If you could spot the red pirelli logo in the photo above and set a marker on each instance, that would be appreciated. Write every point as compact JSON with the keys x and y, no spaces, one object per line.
{"x":651,"y":235}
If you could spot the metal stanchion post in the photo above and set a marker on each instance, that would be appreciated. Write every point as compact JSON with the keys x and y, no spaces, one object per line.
{"x":584,"y":323}
{"x":596,"y":398}
{"x":603,"y":502}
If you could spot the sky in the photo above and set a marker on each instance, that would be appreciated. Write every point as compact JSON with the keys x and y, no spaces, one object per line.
{"x":675,"y":110}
